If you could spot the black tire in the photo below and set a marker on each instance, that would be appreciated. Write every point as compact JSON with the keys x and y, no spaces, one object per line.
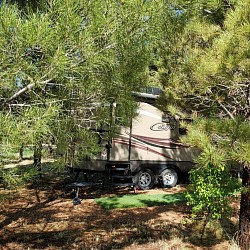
{"x":76,"y":201}
{"x":145,"y":179}
{"x":168,"y":178}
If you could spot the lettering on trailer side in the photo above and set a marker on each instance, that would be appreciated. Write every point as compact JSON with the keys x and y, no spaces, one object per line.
{"x":162,"y":127}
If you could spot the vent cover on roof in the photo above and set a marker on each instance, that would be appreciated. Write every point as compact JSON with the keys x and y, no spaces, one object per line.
{"x":152,"y":90}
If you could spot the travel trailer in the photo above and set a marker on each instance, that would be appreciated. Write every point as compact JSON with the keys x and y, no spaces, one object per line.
{"x":145,"y":153}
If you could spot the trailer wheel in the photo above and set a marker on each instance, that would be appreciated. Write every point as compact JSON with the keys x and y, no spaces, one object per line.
{"x":145,"y":179}
{"x":168,"y":178}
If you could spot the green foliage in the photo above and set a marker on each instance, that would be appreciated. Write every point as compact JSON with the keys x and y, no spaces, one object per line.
{"x":225,"y":145}
{"x":32,"y":126}
{"x":58,"y":58}
{"x":15,"y":177}
{"x":211,"y":189}
{"x":242,"y":153}
{"x":227,"y":138}
{"x":205,"y":66}
{"x":205,"y":73}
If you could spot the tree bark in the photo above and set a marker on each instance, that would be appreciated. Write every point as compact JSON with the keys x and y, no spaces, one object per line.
{"x":38,"y":156}
{"x":21,"y":153}
{"x":244,"y":220}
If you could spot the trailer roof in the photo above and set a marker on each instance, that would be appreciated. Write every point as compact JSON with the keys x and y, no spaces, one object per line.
{"x":149,"y":93}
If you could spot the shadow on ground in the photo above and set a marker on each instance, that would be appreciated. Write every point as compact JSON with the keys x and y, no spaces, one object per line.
{"x":42,"y":216}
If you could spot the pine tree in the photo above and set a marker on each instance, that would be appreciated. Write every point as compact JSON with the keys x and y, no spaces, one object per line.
{"x":210,"y":78}
{"x":58,"y":60}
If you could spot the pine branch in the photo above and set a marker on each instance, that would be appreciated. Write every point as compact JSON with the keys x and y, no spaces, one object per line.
{"x":227,"y":111}
{"x":21,"y":91}
{"x":25,"y":89}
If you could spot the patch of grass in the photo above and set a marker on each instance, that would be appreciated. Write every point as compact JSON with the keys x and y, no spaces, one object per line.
{"x":139,"y":200}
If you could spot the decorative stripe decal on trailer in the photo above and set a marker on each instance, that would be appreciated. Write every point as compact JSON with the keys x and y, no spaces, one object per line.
{"x":155,"y":142}
{"x":139,"y":146}
{"x":159,"y":142}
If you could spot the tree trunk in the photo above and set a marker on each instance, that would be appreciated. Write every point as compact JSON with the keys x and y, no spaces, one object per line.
{"x":244,"y":220}
{"x":21,"y":153}
{"x":38,"y":156}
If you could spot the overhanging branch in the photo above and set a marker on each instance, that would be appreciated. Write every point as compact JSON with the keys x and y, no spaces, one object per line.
{"x":25,"y":89}
{"x":21,"y":91}
{"x":228,"y":112}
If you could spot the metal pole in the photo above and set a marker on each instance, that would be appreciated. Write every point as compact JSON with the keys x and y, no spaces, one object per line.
{"x":130,"y":139}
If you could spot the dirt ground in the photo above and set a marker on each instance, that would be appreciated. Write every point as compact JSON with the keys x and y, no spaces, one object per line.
{"x":43,"y":217}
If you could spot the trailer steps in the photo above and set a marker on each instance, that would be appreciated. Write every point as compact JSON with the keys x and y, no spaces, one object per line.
{"x":120,"y":175}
